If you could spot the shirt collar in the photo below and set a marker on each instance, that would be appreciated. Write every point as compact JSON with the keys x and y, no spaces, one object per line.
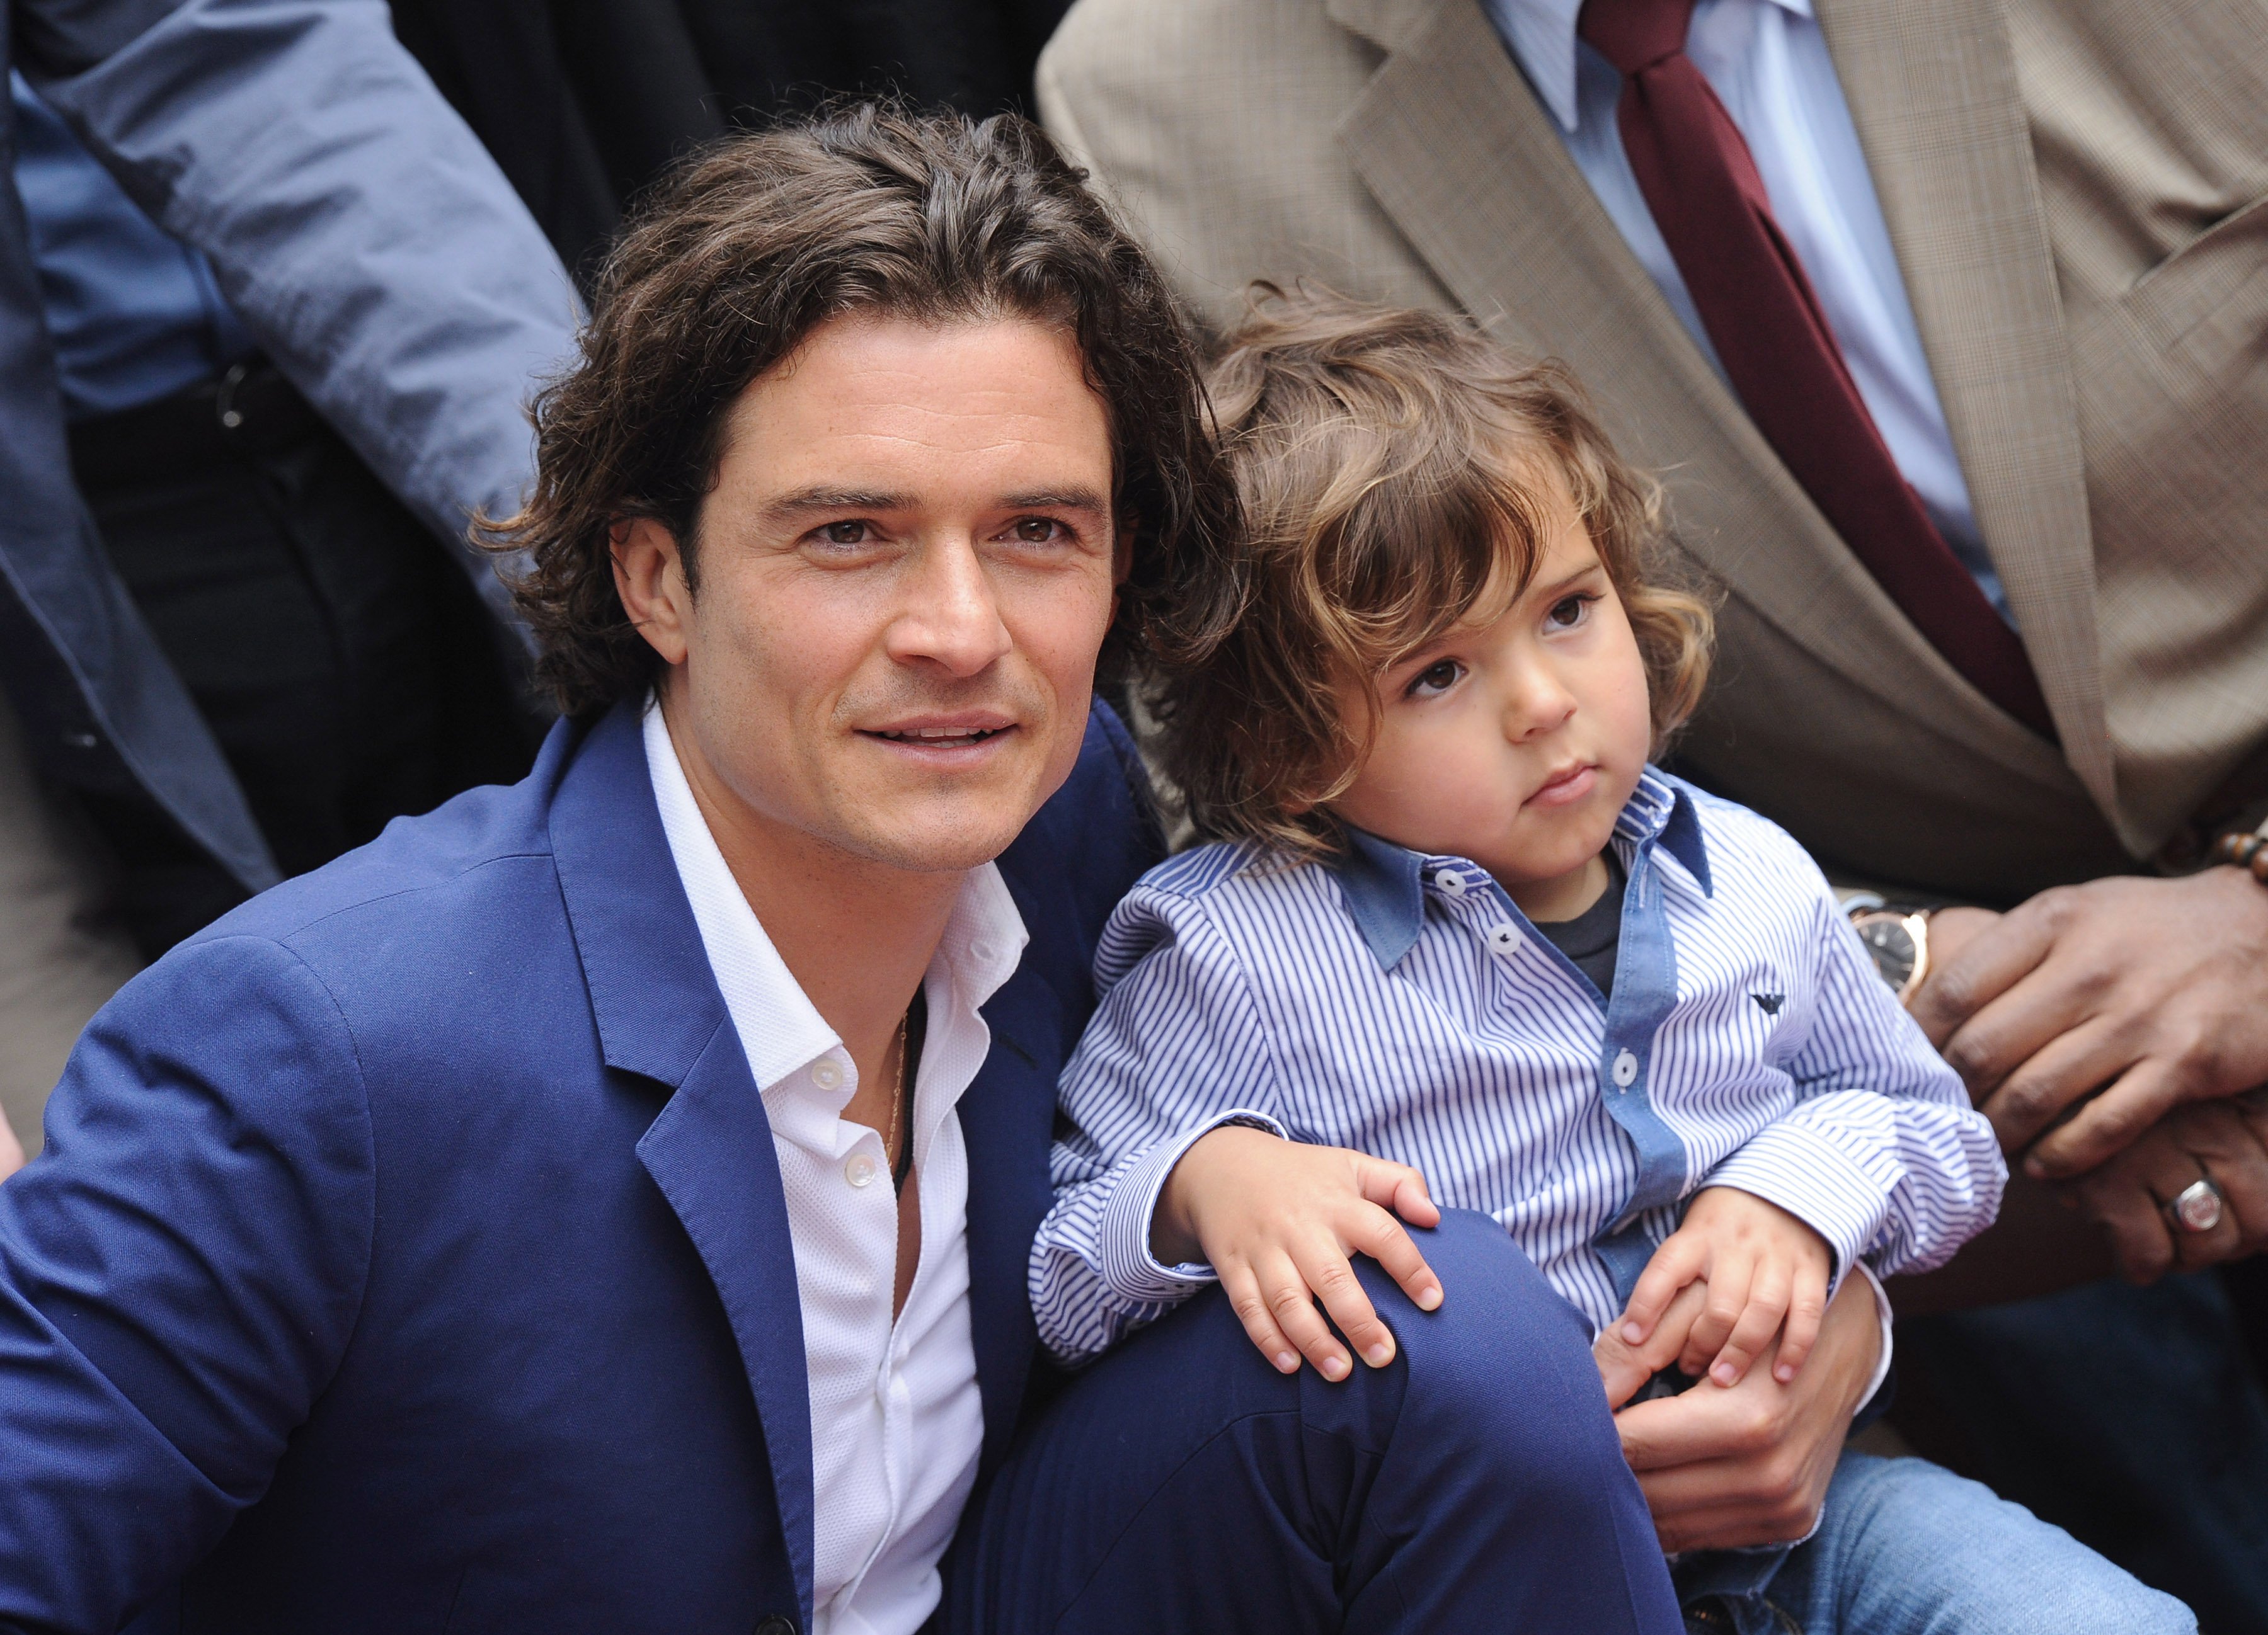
{"x":781,"y":1032}
{"x":1383,"y":884}
{"x":1542,"y":35}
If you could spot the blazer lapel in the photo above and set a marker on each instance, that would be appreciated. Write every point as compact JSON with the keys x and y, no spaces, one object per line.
{"x":710,"y":1150}
{"x":1932,"y":87}
{"x":1454,"y":145}
{"x":1007,"y":1121}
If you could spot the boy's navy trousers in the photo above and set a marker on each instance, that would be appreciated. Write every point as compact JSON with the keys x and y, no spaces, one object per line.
{"x":1182,"y":1484}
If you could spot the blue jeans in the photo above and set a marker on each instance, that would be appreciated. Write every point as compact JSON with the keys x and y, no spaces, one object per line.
{"x":1904,"y":1548}
{"x":1181,"y":1483}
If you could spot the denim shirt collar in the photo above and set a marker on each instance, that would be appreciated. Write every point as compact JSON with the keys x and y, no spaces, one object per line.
{"x":1383,"y":884}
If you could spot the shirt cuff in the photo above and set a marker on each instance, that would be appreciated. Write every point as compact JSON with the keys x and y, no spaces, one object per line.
{"x":1883,"y":1310}
{"x":1130,"y":1270}
{"x":1813,"y":1178}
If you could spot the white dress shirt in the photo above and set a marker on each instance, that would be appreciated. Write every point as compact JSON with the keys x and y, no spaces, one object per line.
{"x":1768,"y":63}
{"x":896,"y":1419}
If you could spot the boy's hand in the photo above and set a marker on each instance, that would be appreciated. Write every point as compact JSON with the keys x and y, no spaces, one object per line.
{"x":1277,"y":1220}
{"x":1763,"y":1266}
{"x":1624,"y":1367}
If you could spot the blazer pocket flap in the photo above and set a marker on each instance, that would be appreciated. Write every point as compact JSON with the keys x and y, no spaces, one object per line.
{"x":2209,"y":296}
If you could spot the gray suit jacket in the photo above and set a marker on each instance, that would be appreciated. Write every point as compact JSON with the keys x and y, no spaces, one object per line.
{"x":2077,"y":191}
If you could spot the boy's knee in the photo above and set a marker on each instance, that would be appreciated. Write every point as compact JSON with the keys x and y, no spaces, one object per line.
{"x":1504,"y":1363}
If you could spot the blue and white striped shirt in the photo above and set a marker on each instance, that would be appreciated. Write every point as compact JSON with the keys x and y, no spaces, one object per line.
{"x":1401,"y":1005}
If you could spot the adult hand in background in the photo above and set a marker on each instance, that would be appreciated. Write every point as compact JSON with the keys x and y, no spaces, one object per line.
{"x":2104,"y":1005}
{"x":1724,"y":1467}
{"x":2225,"y":1142}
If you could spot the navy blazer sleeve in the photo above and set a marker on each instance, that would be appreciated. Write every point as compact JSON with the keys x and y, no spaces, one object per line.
{"x":179,"y":1276}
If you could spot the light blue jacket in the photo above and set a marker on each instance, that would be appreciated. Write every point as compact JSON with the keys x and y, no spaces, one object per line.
{"x":376,"y":253}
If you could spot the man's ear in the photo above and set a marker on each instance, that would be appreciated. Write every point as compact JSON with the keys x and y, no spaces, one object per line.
{"x":1122,"y":549}
{"x":650,"y":578}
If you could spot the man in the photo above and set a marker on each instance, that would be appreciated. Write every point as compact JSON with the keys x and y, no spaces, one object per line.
{"x":257,"y":610}
{"x":605,"y":1203}
{"x":1942,"y":323}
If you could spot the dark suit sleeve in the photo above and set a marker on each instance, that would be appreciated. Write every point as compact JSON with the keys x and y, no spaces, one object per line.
{"x":179,"y":1271}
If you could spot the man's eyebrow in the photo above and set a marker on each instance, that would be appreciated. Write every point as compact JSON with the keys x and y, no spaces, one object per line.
{"x":1055,"y":500}
{"x":802,"y":502}
{"x":817,"y":499}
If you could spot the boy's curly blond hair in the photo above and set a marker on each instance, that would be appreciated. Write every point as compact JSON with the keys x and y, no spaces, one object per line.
{"x":1386,"y":467}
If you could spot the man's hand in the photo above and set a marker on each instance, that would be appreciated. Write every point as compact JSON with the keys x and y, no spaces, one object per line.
{"x":1625,"y":1366}
{"x":2225,"y":1142}
{"x":1277,"y":1220}
{"x":2141,"y":995}
{"x":1722,"y":1469}
{"x":1763,"y":1267}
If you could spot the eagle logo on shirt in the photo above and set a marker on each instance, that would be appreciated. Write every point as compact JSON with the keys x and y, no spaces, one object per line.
{"x":1769,"y":1003}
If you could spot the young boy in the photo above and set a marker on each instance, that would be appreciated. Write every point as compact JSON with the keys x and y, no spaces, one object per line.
{"x":1448,"y":915}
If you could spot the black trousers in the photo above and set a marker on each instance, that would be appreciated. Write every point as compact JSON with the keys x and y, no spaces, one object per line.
{"x":342,"y":660}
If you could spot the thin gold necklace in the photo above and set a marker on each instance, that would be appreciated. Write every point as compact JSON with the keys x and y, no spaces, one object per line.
{"x":898,"y":1104}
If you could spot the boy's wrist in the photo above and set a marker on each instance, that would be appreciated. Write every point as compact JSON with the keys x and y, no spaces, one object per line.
{"x":1806,"y":1172}
{"x":1171,"y":1246}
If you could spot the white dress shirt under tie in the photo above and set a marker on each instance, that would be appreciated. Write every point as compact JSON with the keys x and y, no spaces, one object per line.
{"x":1768,"y":62}
{"x":895,"y":1419}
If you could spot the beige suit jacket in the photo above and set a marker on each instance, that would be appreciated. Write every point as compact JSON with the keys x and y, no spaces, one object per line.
{"x":2077,"y":191}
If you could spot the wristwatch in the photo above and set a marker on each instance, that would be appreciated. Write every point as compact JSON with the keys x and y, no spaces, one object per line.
{"x":1897,"y":936}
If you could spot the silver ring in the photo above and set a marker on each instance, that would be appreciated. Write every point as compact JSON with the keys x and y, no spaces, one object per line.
{"x":2197,"y":1207}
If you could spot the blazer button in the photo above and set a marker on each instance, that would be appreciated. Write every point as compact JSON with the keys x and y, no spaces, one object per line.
{"x":775,"y":1624}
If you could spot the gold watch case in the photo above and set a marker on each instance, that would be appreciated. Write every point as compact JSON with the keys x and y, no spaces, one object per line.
{"x":1898,"y":942}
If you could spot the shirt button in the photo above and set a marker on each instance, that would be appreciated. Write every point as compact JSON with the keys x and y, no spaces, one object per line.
{"x":861,"y":1170}
{"x":1453,"y":885}
{"x":1626,"y":1069}
{"x":827,"y":1073}
{"x":1504,"y":940}
{"x":776,"y":1625}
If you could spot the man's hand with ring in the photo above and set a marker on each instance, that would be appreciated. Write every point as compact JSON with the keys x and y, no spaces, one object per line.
{"x":2155,"y":1199}
{"x":2082,"y":1018}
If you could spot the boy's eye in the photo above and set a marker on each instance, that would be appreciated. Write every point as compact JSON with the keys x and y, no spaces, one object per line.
{"x":1435,"y":680}
{"x":1569,"y":611}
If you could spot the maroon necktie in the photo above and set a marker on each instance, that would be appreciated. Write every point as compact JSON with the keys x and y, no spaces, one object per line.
{"x":1705,"y":193}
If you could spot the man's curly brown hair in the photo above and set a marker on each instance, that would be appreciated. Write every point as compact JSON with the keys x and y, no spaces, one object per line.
{"x":748,"y":247}
{"x":1386,"y":465}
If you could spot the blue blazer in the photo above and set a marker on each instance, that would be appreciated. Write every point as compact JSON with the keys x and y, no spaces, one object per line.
{"x":408,"y":1251}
